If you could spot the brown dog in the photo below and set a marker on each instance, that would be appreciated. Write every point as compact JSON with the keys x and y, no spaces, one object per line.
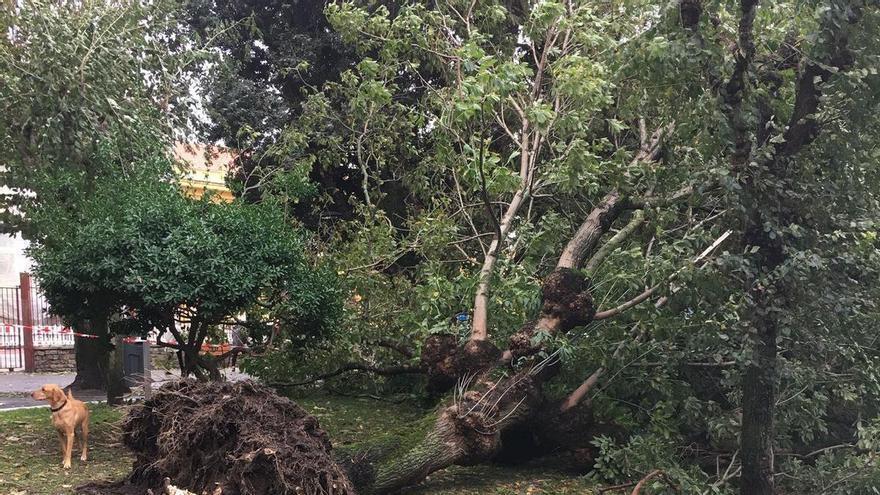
{"x":67,"y":414}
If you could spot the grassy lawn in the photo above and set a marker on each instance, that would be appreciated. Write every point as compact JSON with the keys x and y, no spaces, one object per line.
{"x":30,"y":463}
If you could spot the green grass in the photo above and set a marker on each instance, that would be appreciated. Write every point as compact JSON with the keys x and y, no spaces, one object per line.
{"x":30,"y":460}
{"x":30,"y":463}
{"x":502,"y":480}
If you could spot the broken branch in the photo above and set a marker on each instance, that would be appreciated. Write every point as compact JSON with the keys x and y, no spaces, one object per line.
{"x":388,"y":371}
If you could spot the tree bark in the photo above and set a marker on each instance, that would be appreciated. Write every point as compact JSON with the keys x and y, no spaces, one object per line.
{"x":480,"y":327}
{"x":587,"y":236}
{"x":438,"y":450}
{"x":759,"y":398}
{"x":116,"y":386}
{"x":765,"y":291}
{"x":466,"y":432}
{"x":91,"y":356}
{"x":191,"y":362}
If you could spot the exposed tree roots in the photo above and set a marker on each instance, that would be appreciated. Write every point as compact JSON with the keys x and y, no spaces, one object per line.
{"x":239,"y":438}
{"x":244,"y":439}
{"x":492,"y":395}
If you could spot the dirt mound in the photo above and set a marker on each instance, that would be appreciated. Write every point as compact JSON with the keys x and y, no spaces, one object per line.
{"x":241,"y":437}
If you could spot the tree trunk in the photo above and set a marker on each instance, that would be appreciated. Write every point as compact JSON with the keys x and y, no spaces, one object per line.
{"x":759,"y":379}
{"x":759,"y":398}
{"x":190,"y":363}
{"x":116,"y":386}
{"x":92,"y":357}
{"x":436,"y":451}
{"x":766,"y":291}
{"x":464,"y":433}
{"x":469,"y":430}
{"x":212,"y":366}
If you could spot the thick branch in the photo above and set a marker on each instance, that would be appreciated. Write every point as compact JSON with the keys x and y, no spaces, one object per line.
{"x":389,"y":371}
{"x":579,"y":393}
{"x":607,"y":248}
{"x":735,"y":89}
{"x":603,"y":215}
{"x":587,"y":236}
{"x":802,"y":127}
{"x":480,"y":328}
{"x":601,"y":315}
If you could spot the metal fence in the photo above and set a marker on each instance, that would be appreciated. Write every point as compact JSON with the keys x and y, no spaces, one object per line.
{"x":24,"y":312}
{"x":47,"y":329}
{"x":26,"y":323}
{"x":11,"y":349}
{"x":11,"y":337}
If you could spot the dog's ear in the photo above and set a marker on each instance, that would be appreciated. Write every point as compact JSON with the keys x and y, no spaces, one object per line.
{"x":56,"y":393}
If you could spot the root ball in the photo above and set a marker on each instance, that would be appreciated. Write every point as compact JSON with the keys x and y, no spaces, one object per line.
{"x":241,"y":437}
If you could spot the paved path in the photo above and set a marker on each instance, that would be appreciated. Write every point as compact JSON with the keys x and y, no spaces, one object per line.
{"x":15,"y":388}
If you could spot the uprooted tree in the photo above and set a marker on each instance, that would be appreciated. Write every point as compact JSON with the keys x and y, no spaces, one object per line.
{"x":658,"y":135}
{"x":683,"y":185}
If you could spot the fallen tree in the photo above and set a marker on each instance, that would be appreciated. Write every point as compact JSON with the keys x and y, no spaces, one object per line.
{"x":499,"y":394}
{"x":499,"y":391}
{"x":493,"y":394}
{"x":242,"y":438}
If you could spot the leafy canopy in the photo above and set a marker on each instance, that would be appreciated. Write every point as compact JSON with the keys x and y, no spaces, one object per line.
{"x":79,"y":76}
{"x":430,"y":122}
{"x":139,"y":247}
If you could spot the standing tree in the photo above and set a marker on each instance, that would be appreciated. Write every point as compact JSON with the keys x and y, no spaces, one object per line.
{"x":272,"y":54}
{"x":778,"y":101}
{"x":142,"y":254}
{"x":86,"y":90}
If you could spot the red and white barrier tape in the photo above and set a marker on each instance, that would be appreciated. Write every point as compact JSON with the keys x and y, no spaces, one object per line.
{"x":41,"y":329}
{"x":56,"y":330}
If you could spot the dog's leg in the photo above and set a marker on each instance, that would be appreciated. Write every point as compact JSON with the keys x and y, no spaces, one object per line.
{"x":61,"y":442}
{"x":68,"y":449}
{"x":85,"y":441}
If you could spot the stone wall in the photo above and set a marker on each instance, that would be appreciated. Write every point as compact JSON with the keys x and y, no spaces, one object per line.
{"x":54,"y":359}
{"x":63,"y":359}
{"x":163,"y":358}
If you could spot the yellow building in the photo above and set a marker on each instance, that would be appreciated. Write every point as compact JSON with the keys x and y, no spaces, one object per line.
{"x":206,"y":170}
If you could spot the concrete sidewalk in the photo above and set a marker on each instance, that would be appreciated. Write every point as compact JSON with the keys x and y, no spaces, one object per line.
{"x":15,"y":387}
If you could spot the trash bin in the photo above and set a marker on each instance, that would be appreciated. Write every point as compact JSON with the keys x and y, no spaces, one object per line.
{"x":133,"y":362}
